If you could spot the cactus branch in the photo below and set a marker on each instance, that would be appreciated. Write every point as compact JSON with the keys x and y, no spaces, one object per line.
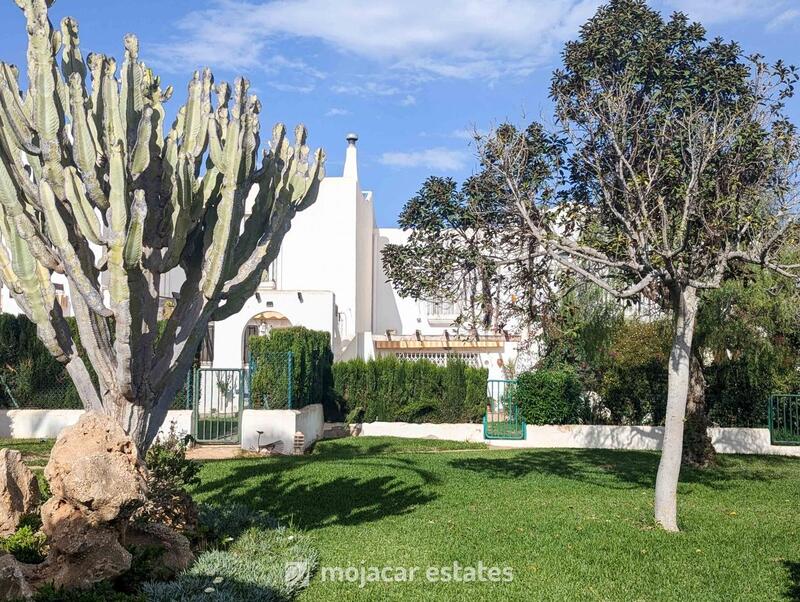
{"x":95,"y":192}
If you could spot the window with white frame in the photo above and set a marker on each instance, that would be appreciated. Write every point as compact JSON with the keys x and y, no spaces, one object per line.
{"x":270,"y":275}
{"x":442,"y":310}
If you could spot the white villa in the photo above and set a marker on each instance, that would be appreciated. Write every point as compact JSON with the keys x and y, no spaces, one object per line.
{"x":329,"y":276}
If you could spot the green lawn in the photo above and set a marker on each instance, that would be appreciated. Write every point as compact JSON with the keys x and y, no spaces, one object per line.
{"x":35,"y":452}
{"x":573,"y":525}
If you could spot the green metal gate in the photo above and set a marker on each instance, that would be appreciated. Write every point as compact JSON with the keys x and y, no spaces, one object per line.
{"x":218,"y":397}
{"x":784,"y":419}
{"x":503,"y":419}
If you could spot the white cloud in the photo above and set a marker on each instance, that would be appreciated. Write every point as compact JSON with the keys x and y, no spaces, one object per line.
{"x":787,"y":18}
{"x":286,"y":87}
{"x":408,"y":101}
{"x":456,"y":38}
{"x":336,"y":112}
{"x":277,"y":62}
{"x":468,"y":134}
{"x":720,"y":11}
{"x":437,"y":159}
{"x":366,"y":89}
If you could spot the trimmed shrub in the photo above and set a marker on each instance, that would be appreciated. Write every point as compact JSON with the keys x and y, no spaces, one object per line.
{"x":389,"y":389}
{"x":312,"y":377}
{"x":550,"y":397}
{"x":32,"y":378}
{"x":29,"y":373}
{"x":633,"y":382}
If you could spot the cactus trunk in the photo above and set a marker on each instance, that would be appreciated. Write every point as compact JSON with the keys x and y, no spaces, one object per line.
{"x":93,"y":190}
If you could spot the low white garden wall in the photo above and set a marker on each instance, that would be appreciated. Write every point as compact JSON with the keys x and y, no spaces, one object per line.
{"x":725,"y":440}
{"x":47,"y":424}
{"x":280,"y":426}
{"x":409,"y":430}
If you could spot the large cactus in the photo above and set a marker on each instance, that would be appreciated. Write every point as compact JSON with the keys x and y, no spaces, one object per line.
{"x":92,"y":188}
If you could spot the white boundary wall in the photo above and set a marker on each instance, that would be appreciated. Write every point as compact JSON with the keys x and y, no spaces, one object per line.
{"x":280,"y":426}
{"x":277,"y":425}
{"x":47,"y":424}
{"x":725,"y":440}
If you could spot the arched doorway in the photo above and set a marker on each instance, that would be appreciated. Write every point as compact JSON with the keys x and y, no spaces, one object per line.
{"x":261,"y":325}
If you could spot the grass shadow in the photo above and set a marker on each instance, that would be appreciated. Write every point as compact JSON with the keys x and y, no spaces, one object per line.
{"x":311,"y":498}
{"x":614,"y":469}
{"x":793,"y":591}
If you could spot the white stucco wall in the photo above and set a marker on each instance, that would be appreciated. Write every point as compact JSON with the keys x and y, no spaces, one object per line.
{"x":47,"y":424}
{"x":281,"y":425}
{"x":320,"y":253}
{"x":312,"y":309}
{"x":408,"y":430}
{"x":725,"y":440}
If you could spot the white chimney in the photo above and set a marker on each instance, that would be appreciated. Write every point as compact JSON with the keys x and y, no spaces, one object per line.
{"x":351,"y":157}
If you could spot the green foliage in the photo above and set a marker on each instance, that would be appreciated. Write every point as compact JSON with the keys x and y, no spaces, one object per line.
{"x":170,"y":472}
{"x":219,"y":523}
{"x":750,"y":328}
{"x":311,"y":368}
{"x":33,"y":377}
{"x":550,"y":397}
{"x":102,"y":592}
{"x":26,"y":544}
{"x":633,"y":375}
{"x":167,"y":462}
{"x":389,"y":389}
{"x":146,"y":566}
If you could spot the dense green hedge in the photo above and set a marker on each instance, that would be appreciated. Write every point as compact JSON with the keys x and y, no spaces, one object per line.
{"x":31,"y":375}
{"x":632,"y":382}
{"x":388,"y":389}
{"x":550,"y":397}
{"x":312,"y":377}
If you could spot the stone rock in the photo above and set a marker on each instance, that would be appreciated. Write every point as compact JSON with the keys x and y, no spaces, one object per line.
{"x":95,"y":466}
{"x":19,"y":491}
{"x":14,"y":583}
{"x":177,"y":555}
{"x":98,"y":480}
{"x":98,"y":556}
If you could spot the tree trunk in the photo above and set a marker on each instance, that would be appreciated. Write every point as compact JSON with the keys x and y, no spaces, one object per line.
{"x":669,"y":468}
{"x":697,"y":449}
{"x":134,"y":418}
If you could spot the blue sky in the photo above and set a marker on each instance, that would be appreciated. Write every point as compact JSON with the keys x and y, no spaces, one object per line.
{"x":411,"y":77}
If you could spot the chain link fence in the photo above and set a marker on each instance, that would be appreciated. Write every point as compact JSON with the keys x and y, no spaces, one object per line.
{"x":271,"y":381}
{"x":23,"y":387}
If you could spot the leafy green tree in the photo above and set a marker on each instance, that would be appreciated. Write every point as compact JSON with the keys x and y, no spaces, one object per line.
{"x":682,"y":164}
{"x":465,"y":246}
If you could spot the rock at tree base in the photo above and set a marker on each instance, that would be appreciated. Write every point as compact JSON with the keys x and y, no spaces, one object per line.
{"x":96,"y":466}
{"x":98,"y":480}
{"x":19,"y":491}
{"x":13,"y":579}
{"x":177,"y":554}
